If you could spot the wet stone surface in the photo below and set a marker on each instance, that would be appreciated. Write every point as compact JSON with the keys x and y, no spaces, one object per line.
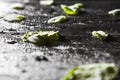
{"x":79,"y":47}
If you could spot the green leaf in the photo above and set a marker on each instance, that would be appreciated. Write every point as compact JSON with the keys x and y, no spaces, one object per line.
{"x":114,"y":12}
{"x":57,"y":19}
{"x":73,"y":9}
{"x":41,"y":37}
{"x":14,"y":17}
{"x":70,"y":74}
{"x":79,"y":5}
{"x":68,"y":10}
{"x":18,"y":6}
{"x":98,"y":71}
{"x":101,"y":35}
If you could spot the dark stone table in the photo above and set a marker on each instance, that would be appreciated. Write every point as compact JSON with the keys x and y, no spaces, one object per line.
{"x":79,"y":47}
